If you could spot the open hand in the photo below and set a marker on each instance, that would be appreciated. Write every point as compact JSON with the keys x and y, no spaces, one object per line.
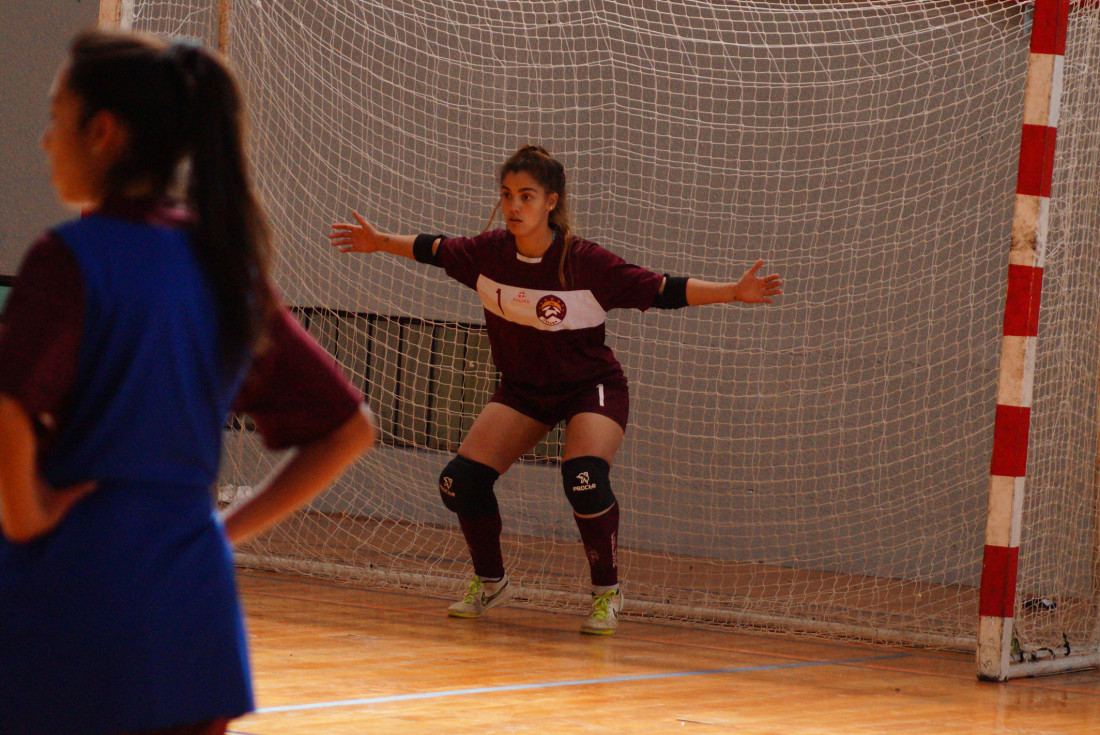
{"x":755,"y":290}
{"x":360,"y":238}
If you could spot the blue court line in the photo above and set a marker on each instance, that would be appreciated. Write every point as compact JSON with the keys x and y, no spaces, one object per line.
{"x":579,"y":682}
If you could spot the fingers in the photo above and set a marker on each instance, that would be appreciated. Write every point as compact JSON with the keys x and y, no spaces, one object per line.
{"x":83,"y":489}
{"x":342,"y":234}
{"x":768,"y":278}
{"x":342,"y":242}
{"x":348,"y":227}
{"x":57,"y":503}
{"x":762,"y":288}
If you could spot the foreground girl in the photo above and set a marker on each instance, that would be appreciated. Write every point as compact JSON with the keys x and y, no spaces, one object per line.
{"x":123,"y":346}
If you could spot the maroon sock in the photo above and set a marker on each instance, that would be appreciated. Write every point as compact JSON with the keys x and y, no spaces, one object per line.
{"x":483,"y":539}
{"x":600,"y":536}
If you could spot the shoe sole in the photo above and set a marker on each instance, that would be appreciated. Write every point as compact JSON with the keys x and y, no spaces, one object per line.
{"x":594,"y":631}
{"x":463,"y":615}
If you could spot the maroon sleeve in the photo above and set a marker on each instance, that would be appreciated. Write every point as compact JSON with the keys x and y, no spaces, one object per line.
{"x":294,"y":391}
{"x":462,"y":257}
{"x":40,"y":331}
{"x":618,"y":284}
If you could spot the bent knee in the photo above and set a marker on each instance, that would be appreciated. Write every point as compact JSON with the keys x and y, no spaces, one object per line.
{"x":587,"y":484}
{"x":466,"y":487}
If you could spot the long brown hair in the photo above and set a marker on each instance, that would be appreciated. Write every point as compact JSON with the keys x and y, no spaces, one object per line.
{"x":180,"y":103}
{"x":537,"y":162}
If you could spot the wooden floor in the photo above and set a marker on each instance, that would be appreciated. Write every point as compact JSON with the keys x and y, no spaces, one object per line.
{"x":333,"y":659}
{"x":721,"y":590}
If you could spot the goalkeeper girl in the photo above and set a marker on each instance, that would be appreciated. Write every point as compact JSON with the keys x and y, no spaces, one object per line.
{"x":546,"y":293}
{"x":128,"y":336}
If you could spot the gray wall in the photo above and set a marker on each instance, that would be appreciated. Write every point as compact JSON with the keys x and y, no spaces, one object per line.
{"x":33,"y":37}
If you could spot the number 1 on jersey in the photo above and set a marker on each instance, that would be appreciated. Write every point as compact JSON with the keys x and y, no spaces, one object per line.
{"x":500,"y":305}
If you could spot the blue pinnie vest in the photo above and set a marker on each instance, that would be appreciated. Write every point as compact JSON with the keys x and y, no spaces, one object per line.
{"x":151,"y":396}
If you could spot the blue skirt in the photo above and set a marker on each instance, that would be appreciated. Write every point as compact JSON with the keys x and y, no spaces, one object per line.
{"x":124,"y":618}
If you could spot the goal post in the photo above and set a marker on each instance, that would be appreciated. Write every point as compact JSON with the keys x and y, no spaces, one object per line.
{"x":1030,"y":228}
{"x":116,"y":13}
{"x":820,"y":466}
{"x":1000,"y":655}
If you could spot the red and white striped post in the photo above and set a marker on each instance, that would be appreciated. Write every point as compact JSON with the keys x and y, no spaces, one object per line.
{"x":1030,"y":225}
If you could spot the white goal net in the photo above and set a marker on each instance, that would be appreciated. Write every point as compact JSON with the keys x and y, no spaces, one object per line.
{"x":820,"y":465}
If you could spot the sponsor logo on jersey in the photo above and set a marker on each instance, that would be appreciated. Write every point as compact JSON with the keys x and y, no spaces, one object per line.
{"x":445,"y":484}
{"x":583,"y":483}
{"x":551,"y":309}
{"x":542,"y":310}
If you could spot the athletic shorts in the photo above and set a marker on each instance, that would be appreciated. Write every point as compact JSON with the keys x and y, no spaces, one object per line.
{"x":609,"y":398}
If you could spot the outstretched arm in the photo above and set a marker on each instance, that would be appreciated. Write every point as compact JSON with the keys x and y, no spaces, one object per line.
{"x":363,"y":238}
{"x":751,"y":289}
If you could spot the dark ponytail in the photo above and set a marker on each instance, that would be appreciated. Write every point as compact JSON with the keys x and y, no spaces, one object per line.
{"x":232,"y":239}
{"x":180,"y":103}
{"x":537,"y":162}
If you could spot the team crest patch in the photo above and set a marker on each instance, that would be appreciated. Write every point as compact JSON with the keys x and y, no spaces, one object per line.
{"x":550,"y":310}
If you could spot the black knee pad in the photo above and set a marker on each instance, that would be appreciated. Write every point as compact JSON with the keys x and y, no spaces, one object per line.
{"x":587,"y":484}
{"x":467,"y":487}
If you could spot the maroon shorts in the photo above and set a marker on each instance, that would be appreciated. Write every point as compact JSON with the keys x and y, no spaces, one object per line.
{"x":608,"y":398}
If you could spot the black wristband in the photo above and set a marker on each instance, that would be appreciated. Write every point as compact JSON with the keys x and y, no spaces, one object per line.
{"x":422,"y":248}
{"x":673,"y":295}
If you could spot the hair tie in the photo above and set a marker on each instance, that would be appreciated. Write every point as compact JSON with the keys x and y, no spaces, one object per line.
{"x":188,"y":65}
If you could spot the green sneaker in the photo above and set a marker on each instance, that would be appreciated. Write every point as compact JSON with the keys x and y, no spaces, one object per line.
{"x":604,"y":617}
{"x":480,"y":596}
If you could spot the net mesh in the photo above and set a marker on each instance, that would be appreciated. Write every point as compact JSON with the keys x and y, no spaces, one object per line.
{"x":819,"y":465}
